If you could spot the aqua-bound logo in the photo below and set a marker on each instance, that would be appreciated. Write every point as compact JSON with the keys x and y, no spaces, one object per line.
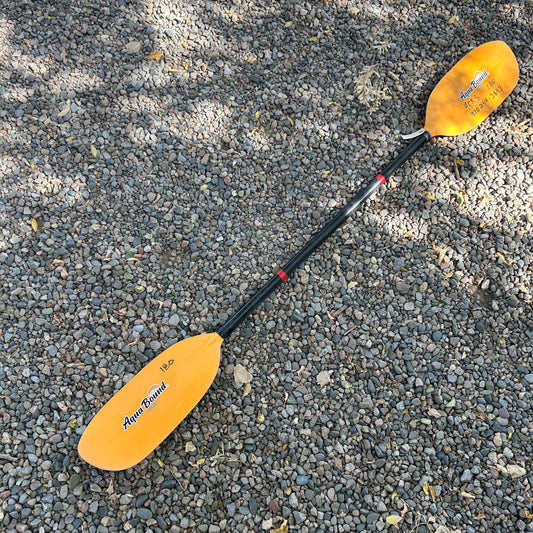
{"x":479,"y":78}
{"x":147,"y":403}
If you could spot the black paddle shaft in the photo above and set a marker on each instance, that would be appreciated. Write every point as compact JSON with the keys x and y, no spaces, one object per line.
{"x":314,"y":242}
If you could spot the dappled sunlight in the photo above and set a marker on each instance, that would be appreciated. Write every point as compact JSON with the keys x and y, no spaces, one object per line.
{"x":208,"y":120}
{"x":258,"y":140}
{"x":400,"y":225}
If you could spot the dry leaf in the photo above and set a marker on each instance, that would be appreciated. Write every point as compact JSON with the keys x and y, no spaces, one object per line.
{"x":155,"y":56}
{"x":367,"y":93}
{"x":441,"y":253}
{"x":94,"y":151}
{"x":323,"y":378}
{"x":381,"y":46}
{"x":465,"y":494}
{"x":261,"y":417}
{"x":430,"y":197}
{"x":200,"y":461}
{"x":516,"y":471}
{"x":160,"y":463}
{"x":282,"y":529}
{"x":65,"y":110}
{"x":190,"y":447}
{"x":247,"y":390}
{"x":34,"y":225}
{"x":393,"y":519}
{"x":528,"y":514}
{"x":288,"y":24}
{"x":241,"y":375}
{"x":133,"y":47}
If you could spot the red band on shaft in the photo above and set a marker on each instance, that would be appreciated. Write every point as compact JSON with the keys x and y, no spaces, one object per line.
{"x":381,"y":178}
{"x":282,"y":275}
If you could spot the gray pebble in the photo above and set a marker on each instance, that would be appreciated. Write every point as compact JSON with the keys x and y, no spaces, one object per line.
{"x":144,"y":513}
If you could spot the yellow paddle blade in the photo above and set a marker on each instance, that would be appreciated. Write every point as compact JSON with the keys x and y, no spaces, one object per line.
{"x":148,"y":408}
{"x":472,"y":89}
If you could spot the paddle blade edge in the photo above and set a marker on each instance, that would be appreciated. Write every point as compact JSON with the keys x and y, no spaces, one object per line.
{"x":150,"y":406}
{"x":472,"y":90}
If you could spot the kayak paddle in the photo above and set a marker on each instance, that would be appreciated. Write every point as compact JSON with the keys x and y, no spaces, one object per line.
{"x":148,"y":408}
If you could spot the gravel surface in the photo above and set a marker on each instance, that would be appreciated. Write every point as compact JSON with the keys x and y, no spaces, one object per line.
{"x":159,"y":159}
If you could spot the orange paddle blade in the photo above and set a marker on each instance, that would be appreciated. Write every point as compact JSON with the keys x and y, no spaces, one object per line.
{"x":148,"y":408}
{"x":472,"y":89}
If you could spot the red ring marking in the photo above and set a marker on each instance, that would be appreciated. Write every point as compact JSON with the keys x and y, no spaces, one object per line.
{"x":381,"y":178}
{"x":282,"y":275}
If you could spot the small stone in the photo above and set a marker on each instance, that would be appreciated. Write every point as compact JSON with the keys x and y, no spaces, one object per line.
{"x":299,"y":517}
{"x":467,"y":476}
{"x":398,"y":264}
{"x":273,"y":506}
{"x":366,"y":403}
{"x":381,"y":507}
{"x":241,"y":375}
{"x":401,"y":286}
{"x":133,"y":47}
{"x":252,"y":504}
{"x":54,"y":439}
{"x":293,"y":500}
{"x":144,"y":513}
{"x":74,"y":481}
